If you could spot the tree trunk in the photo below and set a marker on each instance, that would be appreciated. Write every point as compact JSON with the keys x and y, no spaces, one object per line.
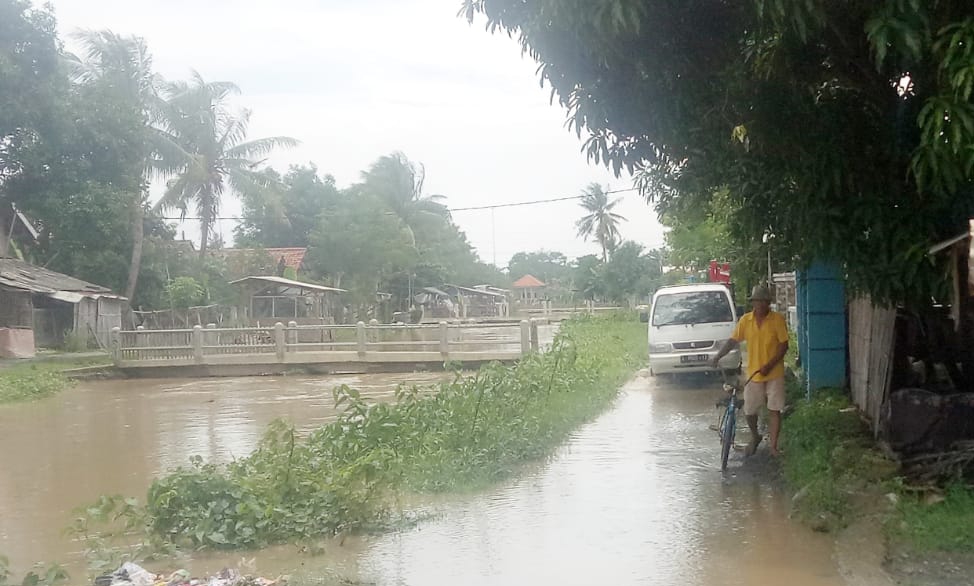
{"x":205,"y":228}
{"x":138,"y":238}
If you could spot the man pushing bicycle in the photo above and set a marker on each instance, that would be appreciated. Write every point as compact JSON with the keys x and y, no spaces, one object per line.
{"x":766,"y":334}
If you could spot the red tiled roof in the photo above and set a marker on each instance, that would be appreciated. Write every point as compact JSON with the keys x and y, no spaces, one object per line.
{"x":527,"y":282}
{"x":293,"y":257}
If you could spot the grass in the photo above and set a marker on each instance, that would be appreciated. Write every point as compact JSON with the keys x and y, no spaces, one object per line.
{"x":38,"y":379}
{"x":829,"y":460}
{"x":946,"y":525}
{"x":349,"y":475}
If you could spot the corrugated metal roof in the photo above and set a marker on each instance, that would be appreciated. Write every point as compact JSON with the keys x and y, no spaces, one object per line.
{"x":293,"y":257}
{"x":287,"y":283}
{"x":18,"y":274}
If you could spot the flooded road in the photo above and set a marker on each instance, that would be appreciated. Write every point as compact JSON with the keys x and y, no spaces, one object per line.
{"x":636,"y":497}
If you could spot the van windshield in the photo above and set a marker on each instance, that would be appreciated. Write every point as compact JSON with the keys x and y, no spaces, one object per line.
{"x":697,"y":307}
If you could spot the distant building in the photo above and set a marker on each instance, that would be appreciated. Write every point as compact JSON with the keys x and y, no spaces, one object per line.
{"x":529,"y":289}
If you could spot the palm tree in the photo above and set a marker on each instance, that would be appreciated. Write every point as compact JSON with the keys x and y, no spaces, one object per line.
{"x":399,"y":183}
{"x":218,"y":159}
{"x":599,"y":220}
{"x":125,"y":63}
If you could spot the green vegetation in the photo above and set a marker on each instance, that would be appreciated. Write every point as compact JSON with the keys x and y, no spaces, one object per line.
{"x":829,"y":459}
{"x":946,"y":525}
{"x":28,"y":382}
{"x":346,"y":475}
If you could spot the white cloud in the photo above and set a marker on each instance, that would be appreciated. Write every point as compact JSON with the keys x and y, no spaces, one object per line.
{"x":357,"y":79}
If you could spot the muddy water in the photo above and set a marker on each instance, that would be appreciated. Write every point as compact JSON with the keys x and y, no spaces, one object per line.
{"x":636,"y":497}
{"x":114,"y":437}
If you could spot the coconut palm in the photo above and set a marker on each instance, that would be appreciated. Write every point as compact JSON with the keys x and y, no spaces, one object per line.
{"x":218,"y":158}
{"x":124,"y":62}
{"x":399,"y":183}
{"x":599,"y":220}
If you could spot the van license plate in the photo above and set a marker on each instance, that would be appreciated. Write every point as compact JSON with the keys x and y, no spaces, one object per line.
{"x":694,"y":358}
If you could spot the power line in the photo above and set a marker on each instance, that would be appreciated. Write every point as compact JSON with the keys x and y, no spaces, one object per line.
{"x":451,"y":210}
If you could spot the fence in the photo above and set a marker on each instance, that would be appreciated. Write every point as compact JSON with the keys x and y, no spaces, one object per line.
{"x":295,"y":343}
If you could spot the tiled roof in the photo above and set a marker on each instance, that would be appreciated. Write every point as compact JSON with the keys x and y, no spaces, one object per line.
{"x":293,"y":257}
{"x":527,"y":282}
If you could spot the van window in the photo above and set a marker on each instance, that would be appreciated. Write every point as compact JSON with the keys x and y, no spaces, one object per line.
{"x":696,"y":307}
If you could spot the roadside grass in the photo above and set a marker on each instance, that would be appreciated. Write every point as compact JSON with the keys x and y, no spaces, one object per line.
{"x":829,"y":460}
{"x":935,"y":525}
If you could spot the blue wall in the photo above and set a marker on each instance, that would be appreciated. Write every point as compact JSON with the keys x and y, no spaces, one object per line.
{"x":822,"y":336}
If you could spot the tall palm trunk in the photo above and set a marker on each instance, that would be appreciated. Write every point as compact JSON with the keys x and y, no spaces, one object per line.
{"x":138,"y":238}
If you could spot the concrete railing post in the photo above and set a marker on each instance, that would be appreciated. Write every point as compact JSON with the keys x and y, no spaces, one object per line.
{"x":444,"y":338}
{"x":116,"y":345}
{"x":198,"y":344}
{"x":292,"y":332}
{"x":360,"y":338}
{"x":280,"y":340}
{"x":211,"y":338}
{"x":525,"y":337}
{"x":535,"y":342}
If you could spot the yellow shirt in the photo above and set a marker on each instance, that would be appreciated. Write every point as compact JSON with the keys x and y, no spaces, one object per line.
{"x":762,"y":342}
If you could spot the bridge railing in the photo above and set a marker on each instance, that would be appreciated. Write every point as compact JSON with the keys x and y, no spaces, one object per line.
{"x":281,"y":343}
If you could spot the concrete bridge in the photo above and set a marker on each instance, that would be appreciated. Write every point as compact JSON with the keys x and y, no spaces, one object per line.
{"x":212,"y":351}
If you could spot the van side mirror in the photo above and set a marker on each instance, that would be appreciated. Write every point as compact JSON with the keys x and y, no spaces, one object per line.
{"x":644,"y":317}
{"x":740,"y":310}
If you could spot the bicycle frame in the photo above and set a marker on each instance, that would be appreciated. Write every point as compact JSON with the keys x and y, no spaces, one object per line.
{"x":727,"y":424}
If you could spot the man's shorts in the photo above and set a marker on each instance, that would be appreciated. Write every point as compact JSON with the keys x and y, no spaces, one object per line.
{"x":757,"y":394}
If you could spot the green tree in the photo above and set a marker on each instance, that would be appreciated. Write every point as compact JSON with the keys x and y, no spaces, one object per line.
{"x":286,"y":214}
{"x":125,"y":65}
{"x":398,"y":182}
{"x":358,"y":244}
{"x":630,"y":275}
{"x":30,"y":91}
{"x":587,"y":277}
{"x":843,"y":128}
{"x":219,"y":159}
{"x":548,"y":265}
{"x":599,"y":220}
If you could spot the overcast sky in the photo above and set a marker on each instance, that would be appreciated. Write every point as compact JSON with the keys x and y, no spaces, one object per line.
{"x":357,"y":79}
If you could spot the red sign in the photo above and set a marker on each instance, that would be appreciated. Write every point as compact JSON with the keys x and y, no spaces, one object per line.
{"x":719,"y":272}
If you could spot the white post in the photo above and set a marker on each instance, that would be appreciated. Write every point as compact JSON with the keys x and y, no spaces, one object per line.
{"x":280,"y":340}
{"x":198,"y":344}
{"x":211,"y":338}
{"x":444,"y":338}
{"x":360,"y":338}
{"x":292,"y":330}
{"x":525,"y":337}
{"x":116,"y":345}
{"x":535,"y":343}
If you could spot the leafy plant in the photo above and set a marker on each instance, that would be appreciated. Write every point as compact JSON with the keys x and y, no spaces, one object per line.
{"x":75,"y":341}
{"x":49,"y":576}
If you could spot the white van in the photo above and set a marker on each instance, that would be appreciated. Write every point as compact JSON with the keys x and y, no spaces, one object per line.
{"x":688,"y":325}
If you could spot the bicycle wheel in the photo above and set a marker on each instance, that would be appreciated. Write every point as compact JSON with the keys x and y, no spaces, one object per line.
{"x":727,"y":437}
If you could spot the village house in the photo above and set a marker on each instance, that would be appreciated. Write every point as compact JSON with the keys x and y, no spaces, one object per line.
{"x":529,"y":289}
{"x":38,"y":307}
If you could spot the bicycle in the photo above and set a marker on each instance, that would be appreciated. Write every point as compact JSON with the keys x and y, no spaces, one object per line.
{"x":727,"y":422}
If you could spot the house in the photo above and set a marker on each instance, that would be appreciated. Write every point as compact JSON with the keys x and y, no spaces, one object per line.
{"x":529,"y":289}
{"x":39,"y":306}
{"x":269,"y":299}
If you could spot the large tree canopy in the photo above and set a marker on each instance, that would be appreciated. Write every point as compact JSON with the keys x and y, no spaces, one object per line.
{"x":846,"y":129}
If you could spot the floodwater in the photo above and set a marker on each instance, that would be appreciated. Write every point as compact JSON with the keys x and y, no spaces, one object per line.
{"x":635,"y":497}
